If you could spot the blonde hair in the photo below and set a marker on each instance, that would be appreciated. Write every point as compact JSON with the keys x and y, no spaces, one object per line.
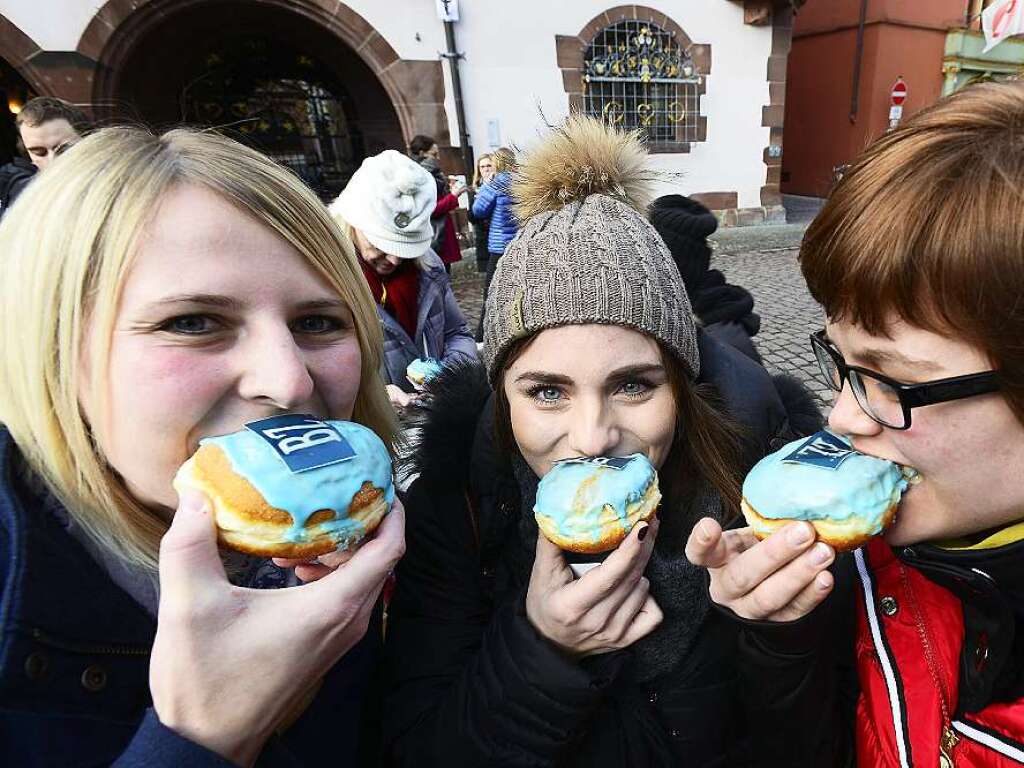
{"x":504,"y":160}
{"x":67,"y":247}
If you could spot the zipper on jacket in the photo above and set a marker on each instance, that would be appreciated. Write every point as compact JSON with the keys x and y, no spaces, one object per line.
{"x":88,"y":648}
{"x":948,"y":738}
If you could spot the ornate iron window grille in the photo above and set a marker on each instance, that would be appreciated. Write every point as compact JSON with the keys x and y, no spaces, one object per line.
{"x":282,"y":102}
{"x":635,"y":75}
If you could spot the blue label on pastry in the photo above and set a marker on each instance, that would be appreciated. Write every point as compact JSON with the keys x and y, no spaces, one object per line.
{"x":615,"y":462}
{"x":821,"y":450}
{"x":303,"y":442}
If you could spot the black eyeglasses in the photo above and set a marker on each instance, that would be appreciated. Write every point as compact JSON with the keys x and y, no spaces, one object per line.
{"x":886,"y":400}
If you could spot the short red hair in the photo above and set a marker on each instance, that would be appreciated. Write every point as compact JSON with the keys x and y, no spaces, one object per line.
{"x":928,"y":226}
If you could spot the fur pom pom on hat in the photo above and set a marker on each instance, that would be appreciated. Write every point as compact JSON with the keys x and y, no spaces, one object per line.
{"x":390,"y":199}
{"x":585,"y":252}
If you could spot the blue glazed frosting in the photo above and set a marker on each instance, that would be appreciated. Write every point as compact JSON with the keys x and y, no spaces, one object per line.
{"x":573,"y":495}
{"x":860,"y":487}
{"x":301,"y":494}
{"x":428,"y":369}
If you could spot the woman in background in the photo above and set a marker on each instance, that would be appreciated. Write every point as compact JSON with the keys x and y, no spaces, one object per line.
{"x":484,"y":172}
{"x":386,"y":210}
{"x":494,"y":202}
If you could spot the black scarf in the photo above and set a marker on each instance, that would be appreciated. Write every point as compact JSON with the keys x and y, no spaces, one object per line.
{"x":679,"y":588}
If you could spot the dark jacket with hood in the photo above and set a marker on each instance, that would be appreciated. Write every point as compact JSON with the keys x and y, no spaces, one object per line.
{"x":726,"y":311}
{"x":470,"y":682}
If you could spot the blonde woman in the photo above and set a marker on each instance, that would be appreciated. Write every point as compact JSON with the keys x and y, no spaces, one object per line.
{"x":154,"y":291}
{"x":483,"y":173}
{"x":494,"y":202}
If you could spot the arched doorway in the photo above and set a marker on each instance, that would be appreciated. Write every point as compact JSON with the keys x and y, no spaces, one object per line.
{"x":14,"y":92}
{"x":272,"y":78}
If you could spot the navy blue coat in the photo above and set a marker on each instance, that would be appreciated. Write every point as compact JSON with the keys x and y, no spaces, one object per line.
{"x":74,"y":659}
{"x":494,"y":201}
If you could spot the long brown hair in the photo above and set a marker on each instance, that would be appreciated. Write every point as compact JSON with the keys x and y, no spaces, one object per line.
{"x":928,"y":226}
{"x":705,"y":454}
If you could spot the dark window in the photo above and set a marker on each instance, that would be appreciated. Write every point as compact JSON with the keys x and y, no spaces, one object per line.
{"x":635,"y":75}
{"x":281,"y":101}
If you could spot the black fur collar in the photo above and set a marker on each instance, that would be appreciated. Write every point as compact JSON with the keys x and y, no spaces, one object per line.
{"x":447,"y":428}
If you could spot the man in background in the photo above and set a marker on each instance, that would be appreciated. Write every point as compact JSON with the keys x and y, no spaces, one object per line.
{"x":46,"y":127}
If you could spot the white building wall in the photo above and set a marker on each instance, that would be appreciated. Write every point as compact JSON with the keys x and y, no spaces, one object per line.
{"x":510,"y":73}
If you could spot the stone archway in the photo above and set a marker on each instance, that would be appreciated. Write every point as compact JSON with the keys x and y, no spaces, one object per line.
{"x":415,"y":89}
{"x":20,"y":51}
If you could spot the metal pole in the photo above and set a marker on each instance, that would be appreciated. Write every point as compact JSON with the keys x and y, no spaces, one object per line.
{"x":859,"y":54}
{"x":453,"y":57}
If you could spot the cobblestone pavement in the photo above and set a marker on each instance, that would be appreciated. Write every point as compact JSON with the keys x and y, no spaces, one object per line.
{"x":788,"y":313}
{"x":770,"y":272}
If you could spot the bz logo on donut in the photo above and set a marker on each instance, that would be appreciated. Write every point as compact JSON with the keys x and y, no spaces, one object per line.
{"x":822,"y":449}
{"x":302,"y":441}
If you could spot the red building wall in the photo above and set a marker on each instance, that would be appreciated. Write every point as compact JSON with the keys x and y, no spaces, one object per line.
{"x":901,"y":38}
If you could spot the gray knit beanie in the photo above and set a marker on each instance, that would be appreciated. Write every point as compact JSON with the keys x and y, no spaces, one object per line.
{"x":586,"y":253}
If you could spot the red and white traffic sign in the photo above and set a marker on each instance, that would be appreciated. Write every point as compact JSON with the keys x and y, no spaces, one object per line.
{"x":899,"y":92}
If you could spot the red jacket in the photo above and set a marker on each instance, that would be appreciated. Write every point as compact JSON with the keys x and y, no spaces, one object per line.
{"x":912,"y":645}
{"x":920,"y":645}
{"x":450,"y":251}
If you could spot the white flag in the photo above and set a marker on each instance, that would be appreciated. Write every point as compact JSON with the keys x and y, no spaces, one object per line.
{"x":1002,"y":19}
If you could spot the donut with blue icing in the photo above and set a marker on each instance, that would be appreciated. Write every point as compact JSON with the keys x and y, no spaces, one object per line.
{"x":846,"y":495}
{"x":589,"y":505}
{"x":293,"y":486}
{"x":420,"y":371}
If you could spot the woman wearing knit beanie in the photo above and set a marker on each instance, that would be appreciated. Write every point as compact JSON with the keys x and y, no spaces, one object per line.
{"x":496,"y":654}
{"x":385,"y":209}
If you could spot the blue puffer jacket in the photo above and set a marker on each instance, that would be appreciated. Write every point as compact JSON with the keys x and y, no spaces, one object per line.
{"x":74,"y":659}
{"x":495,"y":201}
{"x":441,"y":330}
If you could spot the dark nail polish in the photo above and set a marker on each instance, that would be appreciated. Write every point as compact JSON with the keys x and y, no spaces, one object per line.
{"x":643,"y":532}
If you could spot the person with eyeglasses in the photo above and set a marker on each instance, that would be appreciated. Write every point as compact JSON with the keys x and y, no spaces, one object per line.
{"x":910,"y":651}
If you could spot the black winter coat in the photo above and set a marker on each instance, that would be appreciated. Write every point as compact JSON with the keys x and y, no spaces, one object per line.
{"x":470,"y":682}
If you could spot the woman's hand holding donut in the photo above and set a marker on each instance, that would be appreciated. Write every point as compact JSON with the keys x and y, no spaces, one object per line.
{"x":318,"y":567}
{"x":229,"y":664}
{"x":608,"y":608}
{"x":781,"y":578}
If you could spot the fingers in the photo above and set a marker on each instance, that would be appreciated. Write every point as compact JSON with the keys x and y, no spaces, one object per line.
{"x":609,"y":605}
{"x":399,"y":398}
{"x":645,"y":622}
{"x":617,"y":575}
{"x":788,"y":590}
{"x":808,"y":599}
{"x":317,"y":568}
{"x":188,"y":551}
{"x":339,"y":557}
{"x":371,"y":563}
{"x":549,"y":567}
{"x":707,"y":545}
{"x":626,"y":613}
{"x":308,"y":572}
{"x":746,"y":570}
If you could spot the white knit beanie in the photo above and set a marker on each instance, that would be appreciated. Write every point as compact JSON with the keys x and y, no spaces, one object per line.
{"x":390,"y":199}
